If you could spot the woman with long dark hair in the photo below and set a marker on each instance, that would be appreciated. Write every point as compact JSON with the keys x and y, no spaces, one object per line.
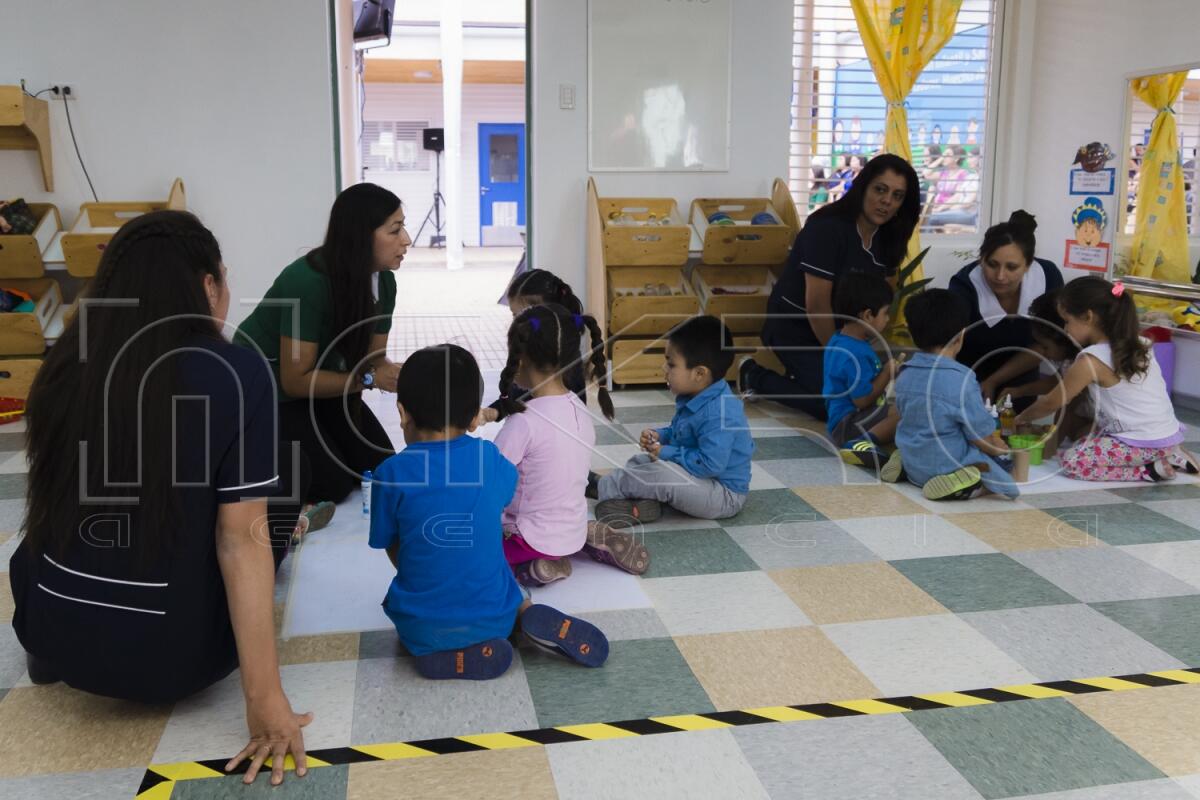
{"x":323,"y":325}
{"x":866,"y":230}
{"x":146,"y":569}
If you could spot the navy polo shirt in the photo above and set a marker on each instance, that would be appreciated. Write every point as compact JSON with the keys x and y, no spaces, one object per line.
{"x":111,"y":625}
{"x":827,"y":247}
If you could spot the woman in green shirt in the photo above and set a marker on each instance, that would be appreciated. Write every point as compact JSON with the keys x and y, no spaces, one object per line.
{"x":323,"y":325}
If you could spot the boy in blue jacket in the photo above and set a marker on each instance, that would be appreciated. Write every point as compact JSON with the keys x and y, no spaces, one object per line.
{"x":700,"y":464}
{"x":946,"y":438}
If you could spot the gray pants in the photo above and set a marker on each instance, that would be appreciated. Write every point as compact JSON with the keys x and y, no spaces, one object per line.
{"x":643,"y":478}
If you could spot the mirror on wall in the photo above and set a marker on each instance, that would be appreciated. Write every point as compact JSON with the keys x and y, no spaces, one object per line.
{"x":1158,"y":216}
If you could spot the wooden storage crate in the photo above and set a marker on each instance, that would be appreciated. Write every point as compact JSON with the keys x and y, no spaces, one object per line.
{"x":744,"y":310}
{"x":21,"y":254}
{"x":25,"y":125}
{"x":648,"y":315}
{"x":744,"y":243}
{"x":643,"y":244}
{"x":24,"y":333}
{"x":752,"y":346}
{"x":83,"y":245}
{"x":638,"y":361}
{"x":16,"y":376}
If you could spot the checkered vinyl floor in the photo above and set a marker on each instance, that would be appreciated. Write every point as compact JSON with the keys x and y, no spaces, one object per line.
{"x":828,"y":586}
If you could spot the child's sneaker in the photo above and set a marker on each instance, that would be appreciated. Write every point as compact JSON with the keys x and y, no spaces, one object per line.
{"x":863,"y":453}
{"x":319,"y":514}
{"x":561,"y":634}
{"x":479,"y":662}
{"x":893,"y":470}
{"x":592,"y":492}
{"x":618,"y":548}
{"x":962,"y":484}
{"x":1184,"y":460}
{"x":626,"y":510}
{"x":541,"y":571}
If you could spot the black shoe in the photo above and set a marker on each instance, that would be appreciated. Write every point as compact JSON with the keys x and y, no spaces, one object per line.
{"x":592,"y":492}
{"x":745,"y":369}
{"x":40,"y":673}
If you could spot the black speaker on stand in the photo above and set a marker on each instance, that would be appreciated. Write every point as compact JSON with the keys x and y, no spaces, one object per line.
{"x":435,"y":140}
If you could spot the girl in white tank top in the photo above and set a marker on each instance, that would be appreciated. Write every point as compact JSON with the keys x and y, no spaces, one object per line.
{"x":1137,"y":436}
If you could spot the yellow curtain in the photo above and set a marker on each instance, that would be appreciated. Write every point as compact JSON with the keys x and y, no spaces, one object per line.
{"x":1160,"y":247}
{"x":901,"y":38}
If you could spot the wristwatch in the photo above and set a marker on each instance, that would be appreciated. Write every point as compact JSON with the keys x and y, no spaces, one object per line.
{"x":367,"y":379}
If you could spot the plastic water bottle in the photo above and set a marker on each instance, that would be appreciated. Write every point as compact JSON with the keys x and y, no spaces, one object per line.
{"x":366,"y":494}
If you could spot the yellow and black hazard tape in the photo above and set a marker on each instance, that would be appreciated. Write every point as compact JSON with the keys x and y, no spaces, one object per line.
{"x":160,"y":779}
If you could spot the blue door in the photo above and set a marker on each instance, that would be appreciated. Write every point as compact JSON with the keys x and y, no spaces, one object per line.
{"x":501,"y":183}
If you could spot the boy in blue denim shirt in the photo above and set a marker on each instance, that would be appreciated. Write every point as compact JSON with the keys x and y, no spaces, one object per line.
{"x":946,"y":437}
{"x":700,"y":464}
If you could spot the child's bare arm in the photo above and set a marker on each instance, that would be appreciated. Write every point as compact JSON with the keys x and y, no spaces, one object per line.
{"x":992,"y":446}
{"x":878,"y":386}
{"x":1081,"y":374}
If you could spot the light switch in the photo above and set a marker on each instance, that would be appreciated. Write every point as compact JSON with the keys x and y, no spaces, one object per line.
{"x":566,"y":96}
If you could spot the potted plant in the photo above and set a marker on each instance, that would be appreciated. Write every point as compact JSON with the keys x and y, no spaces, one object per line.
{"x":897,"y":332}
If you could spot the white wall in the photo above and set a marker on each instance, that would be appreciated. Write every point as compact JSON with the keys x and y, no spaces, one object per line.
{"x":760,"y":108}
{"x":482,"y":102}
{"x":1081,"y":52}
{"x":227,"y":94}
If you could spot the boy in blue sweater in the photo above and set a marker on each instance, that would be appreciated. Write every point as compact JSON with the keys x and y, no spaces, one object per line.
{"x":859,"y":418}
{"x":700,"y":464}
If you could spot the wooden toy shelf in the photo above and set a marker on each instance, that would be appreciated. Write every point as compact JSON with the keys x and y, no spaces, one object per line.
{"x":25,"y":125}
{"x":648,"y":270}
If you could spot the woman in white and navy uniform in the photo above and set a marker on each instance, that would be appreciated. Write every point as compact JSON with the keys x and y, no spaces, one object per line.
{"x":866,"y":230}
{"x":146,"y":570}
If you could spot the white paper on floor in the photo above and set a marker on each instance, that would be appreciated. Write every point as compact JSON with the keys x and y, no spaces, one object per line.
{"x":1047,"y":477}
{"x":338,"y":582}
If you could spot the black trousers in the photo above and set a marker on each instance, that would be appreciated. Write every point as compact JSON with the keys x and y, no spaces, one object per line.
{"x":803,"y":384}
{"x":339,"y":441}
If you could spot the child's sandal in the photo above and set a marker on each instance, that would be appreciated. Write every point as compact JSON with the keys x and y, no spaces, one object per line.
{"x":553,"y":631}
{"x":479,"y":662}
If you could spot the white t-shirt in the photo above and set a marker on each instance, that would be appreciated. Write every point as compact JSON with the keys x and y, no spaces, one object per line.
{"x":1137,"y":411}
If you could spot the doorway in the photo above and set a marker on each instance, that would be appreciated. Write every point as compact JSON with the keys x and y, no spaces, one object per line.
{"x":501,"y":183}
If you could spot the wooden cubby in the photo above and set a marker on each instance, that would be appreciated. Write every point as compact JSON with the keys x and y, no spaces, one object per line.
{"x":625,"y":259}
{"x":21,"y":254}
{"x":82,"y":246}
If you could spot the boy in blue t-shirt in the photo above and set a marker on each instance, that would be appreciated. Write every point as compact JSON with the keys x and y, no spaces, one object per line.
{"x":435,"y":509}
{"x":700,"y":463}
{"x":859,"y":418}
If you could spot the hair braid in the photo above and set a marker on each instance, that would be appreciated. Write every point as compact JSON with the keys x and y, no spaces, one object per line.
{"x":599,"y":365}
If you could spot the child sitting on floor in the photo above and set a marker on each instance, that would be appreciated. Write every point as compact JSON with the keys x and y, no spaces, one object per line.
{"x":549,"y":437}
{"x":1138,"y":437}
{"x":539,"y":287}
{"x":435,"y":509}
{"x":859,"y":417}
{"x":700,"y":464}
{"x":946,"y":437}
{"x":1058,"y":351}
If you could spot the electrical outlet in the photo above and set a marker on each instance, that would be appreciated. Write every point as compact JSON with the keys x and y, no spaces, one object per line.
{"x":61,"y":94}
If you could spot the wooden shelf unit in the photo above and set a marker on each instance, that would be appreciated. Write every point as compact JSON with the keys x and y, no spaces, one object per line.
{"x":25,"y":125}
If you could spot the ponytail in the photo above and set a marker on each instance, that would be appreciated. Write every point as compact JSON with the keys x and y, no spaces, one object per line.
{"x":1116,"y":316}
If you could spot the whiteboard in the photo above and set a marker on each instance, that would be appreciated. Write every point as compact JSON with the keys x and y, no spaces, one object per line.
{"x":658,"y":85}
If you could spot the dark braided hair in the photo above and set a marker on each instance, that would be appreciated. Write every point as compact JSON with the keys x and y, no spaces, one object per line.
{"x":110,"y":386}
{"x":539,"y":287}
{"x":549,"y":337}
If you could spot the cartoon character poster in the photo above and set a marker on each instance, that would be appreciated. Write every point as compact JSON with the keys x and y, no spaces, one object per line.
{"x":1093,"y":177}
{"x":1088,"y":250}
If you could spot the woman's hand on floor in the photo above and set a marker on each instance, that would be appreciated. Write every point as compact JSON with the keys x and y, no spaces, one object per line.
{"x":274,"y":732}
